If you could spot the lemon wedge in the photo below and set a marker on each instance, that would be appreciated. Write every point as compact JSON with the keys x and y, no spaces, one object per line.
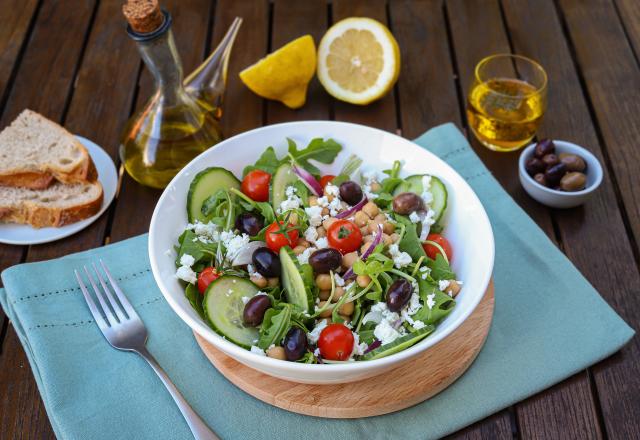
{"x":284,"y":75}
{"x":358,"y":60}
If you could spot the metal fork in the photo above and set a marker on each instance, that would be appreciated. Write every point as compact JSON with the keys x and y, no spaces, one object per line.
{"x":124,"y":330}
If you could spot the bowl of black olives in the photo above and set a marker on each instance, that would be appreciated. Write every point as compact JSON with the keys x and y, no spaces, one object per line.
{"x":559,"y":174}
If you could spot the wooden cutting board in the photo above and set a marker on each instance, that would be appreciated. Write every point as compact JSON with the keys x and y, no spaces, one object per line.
{"x":409,"y":384}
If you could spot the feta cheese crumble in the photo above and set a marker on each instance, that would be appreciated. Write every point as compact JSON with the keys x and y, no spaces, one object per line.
{"x":385,"y":333}
{"x":185,"y":273}
{"x":431,"y":301}
{"x":414,"y":217}
{"x":314,"y":334}
{"x":245,"y":299}
{"x":187,"y":260}
{"x":400,"y":259}
{"x":257,"y":350}
{"x":292,"y":201}
{"x":443,"y":284}
{"x":339,"y":280}
{"x":322,"y":243}
{"x":315,"y":215}
{"x":303,"y":258}
{"x":427,"y":221}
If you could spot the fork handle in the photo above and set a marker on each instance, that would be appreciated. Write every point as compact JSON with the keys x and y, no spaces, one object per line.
{"x":198,"y":427}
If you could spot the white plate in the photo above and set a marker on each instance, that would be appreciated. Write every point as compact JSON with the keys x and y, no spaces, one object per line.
{"x":467,"y":229}
{"x":107,"y":175}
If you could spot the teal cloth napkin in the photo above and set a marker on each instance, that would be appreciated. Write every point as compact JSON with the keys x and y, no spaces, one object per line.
{"x":549,"y":323}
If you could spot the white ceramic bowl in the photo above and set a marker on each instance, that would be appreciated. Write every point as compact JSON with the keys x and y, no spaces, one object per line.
{"x":468,"y":229}
{"x":561,"y":199}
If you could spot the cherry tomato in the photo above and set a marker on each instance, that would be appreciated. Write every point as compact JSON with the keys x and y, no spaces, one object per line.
{"x":344,"y":236}
{"x":432,"y":251}
{"x":206,"y":277}
{"x":335,"y":342}
{"x":256,"y":185}
{"x":326,"y":179}
{"x":277,"y":238}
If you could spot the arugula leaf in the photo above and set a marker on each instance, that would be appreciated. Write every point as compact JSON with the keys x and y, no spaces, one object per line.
{"x":444,"y":304}
{"x":410,"y":242}
{"x":275,"y":325}
{"x":195,"y":299}
{"x":323,"y":151}
{"x":268,"y":162}
{"x":212,"y":202}
{"x":383,"y":200}
{"x":308,"y":358}
{"x":302,"y":191}
{"x":197,"y":249}
{"x":366,"y":332}
{"x":265,"y":208}
{"x":440,"y":269}
{"x":390,"y":183}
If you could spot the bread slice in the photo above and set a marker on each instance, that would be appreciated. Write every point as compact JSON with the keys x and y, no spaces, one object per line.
{"x":58,"y":205}
{"x":35,"y":151}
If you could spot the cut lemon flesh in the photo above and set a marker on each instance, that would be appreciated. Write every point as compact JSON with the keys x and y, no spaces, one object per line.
{"x":284,"y":74}
{"x":358,"y":60}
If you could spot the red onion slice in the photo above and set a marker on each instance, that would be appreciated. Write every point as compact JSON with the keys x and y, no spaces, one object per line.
{"x":376,"y":241}
{"x":355,"y":208}
{"x":375,"y":344}
{"x":308,"y":180}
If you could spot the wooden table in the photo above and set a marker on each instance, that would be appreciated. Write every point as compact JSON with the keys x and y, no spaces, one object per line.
{"x":72,"y":61}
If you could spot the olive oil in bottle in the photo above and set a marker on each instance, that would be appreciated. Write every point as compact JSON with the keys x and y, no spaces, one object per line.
{"x":174,"y":126}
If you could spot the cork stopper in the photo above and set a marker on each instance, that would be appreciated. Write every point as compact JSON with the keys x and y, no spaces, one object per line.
{"x":144,"y":16}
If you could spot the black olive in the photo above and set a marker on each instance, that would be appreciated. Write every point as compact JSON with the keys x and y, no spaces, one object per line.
{"x":407,"y":202}
{"x":295,"y":344}
{"x":573,"y":162}
{"x":350,"y":192}
{"x":254,"y":309}
{"x":266,"y":262}
{"x":540,"y":179}
{"x":549,"y":160}
{"x":249,"y":223}
{"x":325,"y":260}
{"x":554,"y":173}
{"x":399,"y":294}
{"x":533,"y":165}
{"x":544,"y":147}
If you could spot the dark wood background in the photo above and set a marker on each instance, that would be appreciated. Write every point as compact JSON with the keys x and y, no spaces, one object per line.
{"x":72,"y":61}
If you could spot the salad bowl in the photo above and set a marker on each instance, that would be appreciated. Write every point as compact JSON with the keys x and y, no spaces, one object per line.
{"x":465,"y":221}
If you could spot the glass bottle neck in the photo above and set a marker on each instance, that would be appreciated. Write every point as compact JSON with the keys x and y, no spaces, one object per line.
{"x":161,"y":57}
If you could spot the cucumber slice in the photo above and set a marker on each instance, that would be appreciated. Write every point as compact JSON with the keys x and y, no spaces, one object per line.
{"x":293,"y":280}
{"x":438,"y":190}
{"x":223,"y":307}
{"x":205,"y":184}
{"x":282,"y":178}
{"x":399,"y":344}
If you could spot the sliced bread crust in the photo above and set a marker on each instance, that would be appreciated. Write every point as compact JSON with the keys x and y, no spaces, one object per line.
{"x":34,"y":151}
{"x":56,"y":206}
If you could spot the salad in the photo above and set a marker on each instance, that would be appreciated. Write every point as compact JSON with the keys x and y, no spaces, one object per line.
{"x":308,"y":267}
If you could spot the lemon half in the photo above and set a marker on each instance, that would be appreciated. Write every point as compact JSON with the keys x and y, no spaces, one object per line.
{"x":358,"y":60}
{"x":284,"y":74}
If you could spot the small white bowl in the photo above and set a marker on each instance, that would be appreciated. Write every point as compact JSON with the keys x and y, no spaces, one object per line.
{"x":467,"y":228}
{"x":561,"y":199}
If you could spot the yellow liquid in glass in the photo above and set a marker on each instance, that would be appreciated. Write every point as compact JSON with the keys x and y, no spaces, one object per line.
{"x":158,"y":144}
{"x":505,"y":113}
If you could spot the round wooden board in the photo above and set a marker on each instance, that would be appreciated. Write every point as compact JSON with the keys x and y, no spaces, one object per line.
{"x":411,"y":383}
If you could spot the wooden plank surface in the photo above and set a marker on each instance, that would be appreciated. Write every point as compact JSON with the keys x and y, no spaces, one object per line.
{"x":590,"y":49}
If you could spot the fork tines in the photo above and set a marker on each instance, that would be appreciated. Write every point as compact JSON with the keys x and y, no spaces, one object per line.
{"x":111,"y":312}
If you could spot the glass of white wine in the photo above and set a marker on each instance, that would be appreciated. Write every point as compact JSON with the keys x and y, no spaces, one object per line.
{"x":506,"y":101}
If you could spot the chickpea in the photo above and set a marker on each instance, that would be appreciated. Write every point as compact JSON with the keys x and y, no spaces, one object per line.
{"x":361,"y":219}
{"x":363,"y":280}
{"x":326,"y":313}
{"x":364,"y":247}
{"x":347,"y":319}
{"x":321,"y":231}
{"x":293,"y":218}
{"x":375,"y":187}
{"x":394,"y":237}
{"x":364,"y":230}
{"x":349,"y":259}
{"x":324,"y":294}
{"x":347,"y":308}
{"x":371,"y":209}
{"x":259,"y":281}
{"x":380,"y":218}
{"x":386,"y":239}
{"x":388,"y":227}
{"x":328,"y":222}
{"x":339,"y":293}
{"x":325,"y":211}
{"x":454,"y":288}
{"x":367,"y":238}
{"x":313,"y":200}
{"x":277,"y":352}
{"x":273,"y":282}
{"x":323,"y":281}
{"x":303,"y":242}
{"x":299,"y":250}
{"x":373,"y":227}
